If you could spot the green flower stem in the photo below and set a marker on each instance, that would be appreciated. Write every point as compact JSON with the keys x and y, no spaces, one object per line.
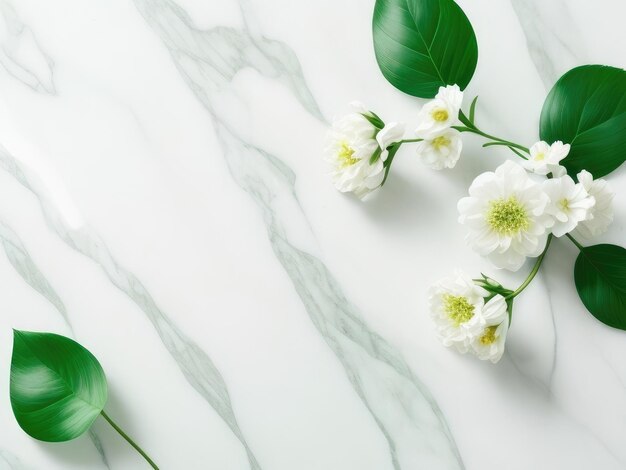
{"x":471,"y":127}
{"x":575,"y":242}
{"x":129,"y":440}
{"x":393,"y":149}
{"x":532,"y":273}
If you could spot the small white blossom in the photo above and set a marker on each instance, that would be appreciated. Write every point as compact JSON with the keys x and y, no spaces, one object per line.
{"x":466,"y":320}
{"x":357,"y":150}
{"x":546,"y":158}
{"x":391,"y":133}
{"x":601,"y":214}
{"x":442,"y":151}
{"x":569,"y":204}
{"x":489,"y":343}
{"x":456,"y":304}
{"x":505,"y":215}
{"x":440,"y":113}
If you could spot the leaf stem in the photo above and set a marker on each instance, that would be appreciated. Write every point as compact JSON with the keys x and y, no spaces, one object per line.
{"x":471,"y":127}
{"x":408,"y":141}
{"x":533,"y":272}
{"x":575,"y":242}
{"x":129,"y":440}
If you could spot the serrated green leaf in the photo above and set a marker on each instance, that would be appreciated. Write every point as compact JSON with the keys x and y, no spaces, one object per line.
{"x":421,"y":45}
{"x":600,"y":276}
{"x":58,"y":388}
{"x":587,"y":109}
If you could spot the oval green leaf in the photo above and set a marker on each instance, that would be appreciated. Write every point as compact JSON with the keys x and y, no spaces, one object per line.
{"x":587,"y":109}
{"x":600,"y":276}
{"x":421,"y":45}
{"x":58,"y":388}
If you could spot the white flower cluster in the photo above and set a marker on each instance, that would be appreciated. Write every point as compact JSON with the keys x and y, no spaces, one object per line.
{"x":359,"y":143}
{"x":469,"y":317}
{"x":442,"y":145}
{"x":358,"y":148}
{"x":509,"y":214}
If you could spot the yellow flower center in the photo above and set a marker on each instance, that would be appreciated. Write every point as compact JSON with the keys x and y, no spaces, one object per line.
{"x":441,"y":141}
{"x":564,"y":203}
{"x":507,"y":216}
{"x":489,"y":335}
{"x":346,"y":155}
{"x":458,"y":309}
{"x":440,"y":114}
{"x":540,"y":156}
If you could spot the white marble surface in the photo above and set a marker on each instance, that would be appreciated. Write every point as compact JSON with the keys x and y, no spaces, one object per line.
{"x":164,"y":201}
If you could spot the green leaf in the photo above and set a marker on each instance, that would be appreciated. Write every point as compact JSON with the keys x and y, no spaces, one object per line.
{"x":600,"y":276}
{"x":58,"y":388}
{"x":587,"y":109}
{"x":421,"y":45}
{"x":374,"y":120}
{"x":472,"y":111}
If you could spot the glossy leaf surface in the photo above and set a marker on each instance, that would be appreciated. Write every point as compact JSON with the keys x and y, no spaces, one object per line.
{"x":421,"y":45}
{"x":58,"y":388}
{"x":600,"y":275}
{"x":587,"y":109}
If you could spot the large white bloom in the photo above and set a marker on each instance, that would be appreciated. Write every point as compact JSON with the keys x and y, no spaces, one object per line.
{"x":440,"y":113}
{"x":505,"y":214}
{"x":455,"y":306}
{"x":489,"y":343}
{"x":569,"y":203}
{"x":357,"y":150}
{"x":601,"y":214}
{"x":441,"y":151}
{"x":546,"y":158}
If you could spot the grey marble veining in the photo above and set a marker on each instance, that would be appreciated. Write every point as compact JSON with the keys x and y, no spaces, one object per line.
{"x":21,"y":55}
{"x":190,"y":134}
{"x":226,"y":50}
{"x":22,"y":262}
{"x":552,"y":45}
{"x":20,"y":259}
{"x":193,"y":362}
{"x":10,"y":462}
{"x":365,"y":356}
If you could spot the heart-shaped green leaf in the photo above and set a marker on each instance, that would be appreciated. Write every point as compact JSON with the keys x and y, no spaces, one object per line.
{"x":600,"y":276}
{"x":421,"y":45}
{"x":58,"y":388}
{"x":587,"y":109}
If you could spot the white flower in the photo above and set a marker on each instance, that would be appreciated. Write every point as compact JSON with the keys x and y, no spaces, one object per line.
{"x":569,"y":204}
{"x":441,"y":113}
{"x":391,"y":133}
{"x":357,"y":150}
{"x":545,"y":158}
{"x":601,"y":214}
{"x":441,"y":151}
{"x":464,"y":320}
{"x":455,"y":305}
{"x":489,"y":343}
{"x":505,"y":214}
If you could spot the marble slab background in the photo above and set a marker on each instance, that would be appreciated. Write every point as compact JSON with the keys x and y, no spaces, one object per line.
{"x":163,"y":200}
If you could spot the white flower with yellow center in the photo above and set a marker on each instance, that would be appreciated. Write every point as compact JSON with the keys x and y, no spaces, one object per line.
{"x":505,"y":214}
{"x":601,"y":214}
{"x":570,"y":204}
{"x":489,"y":343}
{"x":546,"y":158}
{"x":357,"y":150}
{"x":440,"y":113}
{"x":455,"y":305}
{"x":441,"y":151}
